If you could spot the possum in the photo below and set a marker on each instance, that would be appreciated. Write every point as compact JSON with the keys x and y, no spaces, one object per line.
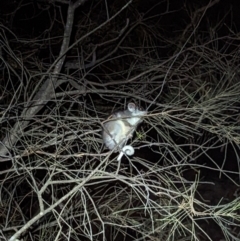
{"x":120,"y":127}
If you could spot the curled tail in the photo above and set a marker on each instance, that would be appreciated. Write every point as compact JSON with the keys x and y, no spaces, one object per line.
{"x":127,"y":150}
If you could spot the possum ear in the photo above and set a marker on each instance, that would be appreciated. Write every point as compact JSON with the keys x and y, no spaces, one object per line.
{"x":131,"y":107}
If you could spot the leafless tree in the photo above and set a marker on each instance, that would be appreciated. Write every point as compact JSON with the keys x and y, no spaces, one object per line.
{"x":87,"y":59}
